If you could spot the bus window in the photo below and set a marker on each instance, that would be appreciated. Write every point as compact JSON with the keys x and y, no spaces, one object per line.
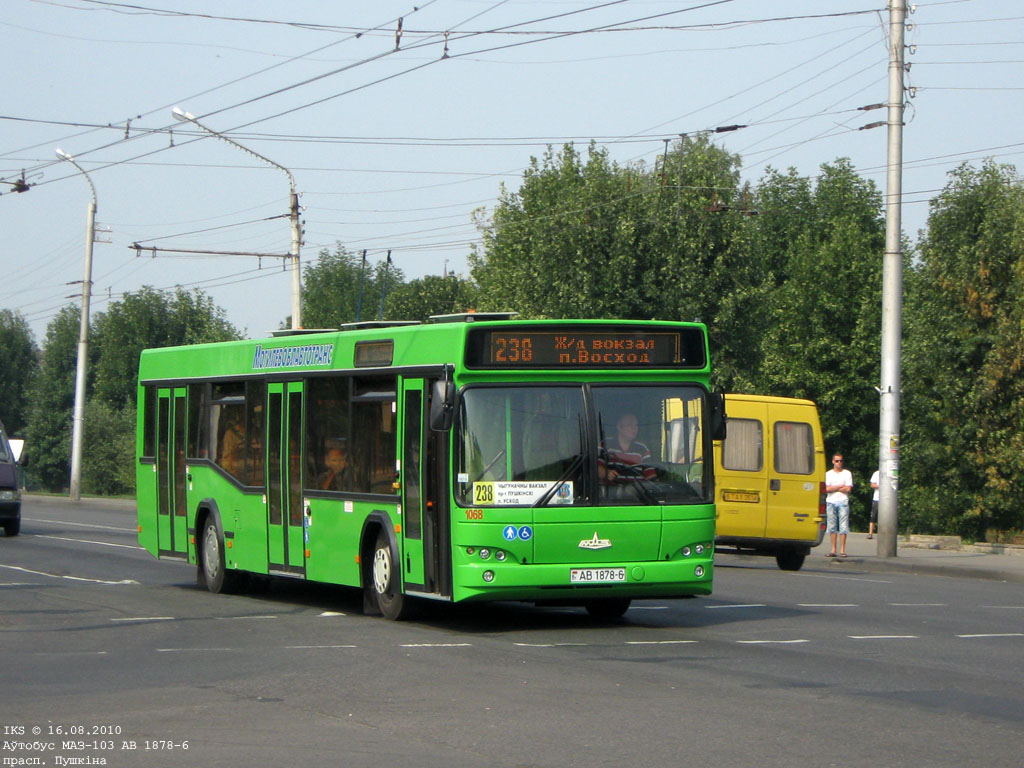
{"x":650,"y":448}
{"x":374,"y":432}
{"x":227,"y":427}
{"x":515,"y":442}
{"x":327,"y":419}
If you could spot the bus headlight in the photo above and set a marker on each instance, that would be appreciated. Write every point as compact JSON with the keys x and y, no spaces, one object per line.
{"x":698,"y":571}
{"x":686,"y":551}
{"x":488,"y":576}
{"x":485,"y":553}
{"x":500,"y":556}
{"x":699,"y":549}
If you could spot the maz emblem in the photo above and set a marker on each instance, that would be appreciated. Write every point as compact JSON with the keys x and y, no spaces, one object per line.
{"x":595,"y":543}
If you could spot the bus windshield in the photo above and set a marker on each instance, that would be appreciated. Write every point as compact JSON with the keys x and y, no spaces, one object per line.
{"x":580,"y":445}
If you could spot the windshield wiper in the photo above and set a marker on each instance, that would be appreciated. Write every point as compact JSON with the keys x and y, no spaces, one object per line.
{"x":573,"y":467}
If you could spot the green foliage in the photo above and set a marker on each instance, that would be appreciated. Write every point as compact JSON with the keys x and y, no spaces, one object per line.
{"x":592,"y":239}
{"x":820,"y":325}
{"x":18,"y":361}
{"x":338,"y":288}
{"x":146,"y":319}
{"x":48,"y":439}
{"x":431,"y":295}
{"x":963,"y":450}
{"x":108,"y":466}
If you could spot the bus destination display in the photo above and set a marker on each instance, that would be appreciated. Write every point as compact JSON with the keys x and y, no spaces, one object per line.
{"x":581,"y":347}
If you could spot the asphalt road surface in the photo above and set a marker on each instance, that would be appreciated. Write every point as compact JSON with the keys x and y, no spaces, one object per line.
{"x":108,"y":654}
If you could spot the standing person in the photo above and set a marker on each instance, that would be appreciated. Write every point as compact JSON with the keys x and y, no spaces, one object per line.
{"x":874,"y":505}
{"x":838,"y":484}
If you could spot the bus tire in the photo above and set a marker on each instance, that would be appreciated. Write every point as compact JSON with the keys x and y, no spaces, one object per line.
{"x":13,"y":528}
{"x":382,"y":585}
{"x":607,"y":609}
{"x":790,"y":560}
{"x":212,"y":569}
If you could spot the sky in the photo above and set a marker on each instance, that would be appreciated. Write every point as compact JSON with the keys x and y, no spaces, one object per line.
{"x":398,"y":119}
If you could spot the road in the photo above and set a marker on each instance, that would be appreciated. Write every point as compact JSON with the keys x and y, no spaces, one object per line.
{"x":824,"y":667}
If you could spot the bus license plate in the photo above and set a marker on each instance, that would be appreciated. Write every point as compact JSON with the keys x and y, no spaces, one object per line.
{"x":596,"y":575}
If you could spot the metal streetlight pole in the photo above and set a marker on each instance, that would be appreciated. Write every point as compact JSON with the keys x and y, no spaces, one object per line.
{"x":78,"y":417}
{"x":293,"y":203}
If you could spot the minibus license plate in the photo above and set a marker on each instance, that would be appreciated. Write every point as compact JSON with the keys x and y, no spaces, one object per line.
{"x":596,"y":575}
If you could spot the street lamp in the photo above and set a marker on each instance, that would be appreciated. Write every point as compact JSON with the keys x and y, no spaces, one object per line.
{"x":78,"y":415}
{"x":183,"y":116}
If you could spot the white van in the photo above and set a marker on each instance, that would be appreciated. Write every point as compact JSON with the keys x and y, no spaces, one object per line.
{"x":770,"y":479}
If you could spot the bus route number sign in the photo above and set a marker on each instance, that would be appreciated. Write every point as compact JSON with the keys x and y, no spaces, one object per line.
{"x":574,"y":347}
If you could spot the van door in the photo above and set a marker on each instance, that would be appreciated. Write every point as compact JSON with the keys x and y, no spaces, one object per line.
{"x":741,"y":469}
{"x":797,"y":460}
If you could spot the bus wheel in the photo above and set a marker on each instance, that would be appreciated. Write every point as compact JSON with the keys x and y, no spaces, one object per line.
{"x":211,"y":561}
{"x":383,"y":577}
{"x":609,"y":609}
{"x":790,"y":560}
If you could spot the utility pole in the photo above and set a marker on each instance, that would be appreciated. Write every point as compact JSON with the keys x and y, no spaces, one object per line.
{"x":892,"y":296}
{"x":293,"y":210}
{"x":78,"y":414}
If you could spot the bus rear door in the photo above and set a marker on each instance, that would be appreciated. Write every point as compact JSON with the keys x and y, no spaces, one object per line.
{"x":286,"y":544}
{"x":172,"y":504}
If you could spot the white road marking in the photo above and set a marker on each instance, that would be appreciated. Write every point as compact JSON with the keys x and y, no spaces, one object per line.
{"x":660,"y":642}
{"x":332,"y":613}
{"x":69,"y":578}
{"x":436,"y":645}
{"x":995,"y":634}
{"x":772,"y":642}
{"x":145,"y":618}
{"x":241,"y":618}
{"x":548,"y":645}
{"x":315,"y":647}
{"x":86,"y":541}
{"x":828,"y":605}
{"x":750,"y":605}
{"x":80,"y":525}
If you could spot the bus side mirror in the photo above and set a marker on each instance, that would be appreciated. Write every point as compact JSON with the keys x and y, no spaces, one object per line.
{"x":717,"y":403}
{"x":442,"y":405}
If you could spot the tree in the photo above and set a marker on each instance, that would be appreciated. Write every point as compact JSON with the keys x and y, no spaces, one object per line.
{"x":144,"y":319}
{"x":18,"y":363}
{"x":48,"y":439}
{"x":820,"y":324}
{"x":339,"y":288}
{"x":963,"y":451}
{"x":431,"y":295}
{"x":593,"y":239}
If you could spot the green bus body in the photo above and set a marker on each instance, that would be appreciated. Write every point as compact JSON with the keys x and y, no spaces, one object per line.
{"x":472,"y":458}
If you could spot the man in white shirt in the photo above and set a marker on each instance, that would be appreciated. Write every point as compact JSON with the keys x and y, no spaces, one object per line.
{"x":838,"y":484}
{"x":874,"y":505}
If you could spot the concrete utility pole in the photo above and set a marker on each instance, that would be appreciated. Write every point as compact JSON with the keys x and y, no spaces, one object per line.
{"x":892,"y":296}
{"x":293,"y":206}
{"x":78,"y":415}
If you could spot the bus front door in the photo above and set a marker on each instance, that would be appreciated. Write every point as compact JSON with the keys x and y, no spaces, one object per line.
{"x":286,"y":545}
{"x":426,"y":560}
{"x":172,"y":525}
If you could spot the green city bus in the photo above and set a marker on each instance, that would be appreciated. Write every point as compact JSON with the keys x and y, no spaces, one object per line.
{"x":472,"y":457}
